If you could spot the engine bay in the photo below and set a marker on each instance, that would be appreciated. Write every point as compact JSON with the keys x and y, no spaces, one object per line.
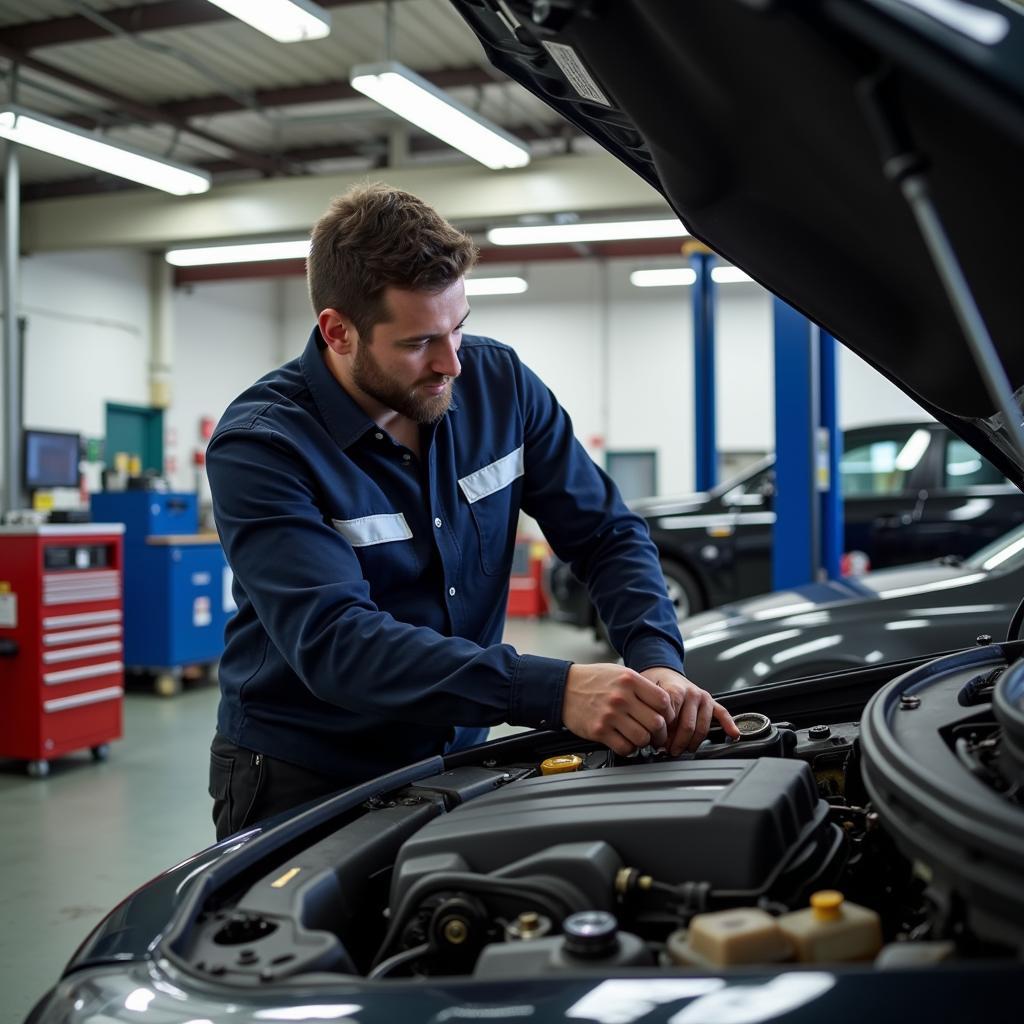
{"x":893,"y":839}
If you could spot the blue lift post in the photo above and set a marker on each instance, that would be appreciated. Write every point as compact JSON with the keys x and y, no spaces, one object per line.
{"x":807,"y":536}
{"x":703,"y":297}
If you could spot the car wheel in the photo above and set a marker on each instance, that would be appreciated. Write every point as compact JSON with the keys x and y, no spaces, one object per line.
{"x":683,"y":591}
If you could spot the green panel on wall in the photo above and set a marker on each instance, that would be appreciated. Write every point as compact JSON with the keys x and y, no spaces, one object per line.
{"x":137,"y":430}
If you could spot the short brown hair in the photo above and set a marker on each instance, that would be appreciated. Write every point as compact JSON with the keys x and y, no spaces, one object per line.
{"x":374,"y":236}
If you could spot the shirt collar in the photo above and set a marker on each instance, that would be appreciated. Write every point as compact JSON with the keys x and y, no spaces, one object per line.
{"x":342,"y":414}
{"x":345,"y":420}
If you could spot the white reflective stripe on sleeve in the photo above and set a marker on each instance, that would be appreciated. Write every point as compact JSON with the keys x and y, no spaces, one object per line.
{"x":493,"y":477}
{"x":382,"y":529}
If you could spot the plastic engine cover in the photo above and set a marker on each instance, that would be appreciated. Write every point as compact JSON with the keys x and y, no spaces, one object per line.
{"x":730,"y":823}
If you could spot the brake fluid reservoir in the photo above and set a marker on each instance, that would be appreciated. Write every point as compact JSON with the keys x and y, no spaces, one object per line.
{"x":831,"y":929}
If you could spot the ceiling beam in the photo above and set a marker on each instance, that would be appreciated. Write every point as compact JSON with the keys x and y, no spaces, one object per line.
{"x":296,"y":95}
{"x":637,"y":248}
{"x":98,"y":183}
{"x":465,"y":193}
{"x":168,"y":14}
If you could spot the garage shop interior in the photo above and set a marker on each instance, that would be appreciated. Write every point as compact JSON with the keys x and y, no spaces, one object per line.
{"x":383,"y":378}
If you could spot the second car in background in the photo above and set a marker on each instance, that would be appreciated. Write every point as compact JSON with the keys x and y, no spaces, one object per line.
{"x":911,"y":492}
{"x":885,"y":616}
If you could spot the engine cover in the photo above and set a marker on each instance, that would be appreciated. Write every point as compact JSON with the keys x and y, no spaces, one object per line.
{"x":736,"y":824}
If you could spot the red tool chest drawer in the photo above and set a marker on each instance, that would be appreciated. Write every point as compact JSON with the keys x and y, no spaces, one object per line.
{"x":61,"y":642}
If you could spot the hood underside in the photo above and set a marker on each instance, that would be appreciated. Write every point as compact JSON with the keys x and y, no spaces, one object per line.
{"x":749,"y":117}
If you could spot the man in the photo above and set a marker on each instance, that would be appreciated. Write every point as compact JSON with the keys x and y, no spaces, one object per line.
{"x":367,"y":496}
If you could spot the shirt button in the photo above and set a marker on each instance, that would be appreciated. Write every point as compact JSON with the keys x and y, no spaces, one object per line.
{"x":406,"y":457}
{"x":437,"y":523}
{"x":451,"y":591}
{"x":379,"y":436}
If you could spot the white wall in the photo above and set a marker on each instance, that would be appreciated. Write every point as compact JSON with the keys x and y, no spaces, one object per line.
{"x":87,"y":337}
{"x":619,"y":358}
{"x":227,"y":334}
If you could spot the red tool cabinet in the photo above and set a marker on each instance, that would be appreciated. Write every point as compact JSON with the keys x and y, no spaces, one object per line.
{"x":61,"y":653}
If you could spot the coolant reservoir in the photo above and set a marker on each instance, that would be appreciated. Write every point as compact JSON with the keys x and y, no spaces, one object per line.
{"x":831,"y":929}
{"x":745,"y":935}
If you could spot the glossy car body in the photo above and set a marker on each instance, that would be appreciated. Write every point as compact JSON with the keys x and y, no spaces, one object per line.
{"x":884,"y":616}
{"x":780,"y":132}
{"x":912,"y":491}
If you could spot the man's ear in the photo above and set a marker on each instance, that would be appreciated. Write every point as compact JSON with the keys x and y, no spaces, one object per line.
{"x":338,"y":331}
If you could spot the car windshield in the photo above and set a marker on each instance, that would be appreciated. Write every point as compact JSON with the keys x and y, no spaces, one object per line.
{"x":1005,"y":553}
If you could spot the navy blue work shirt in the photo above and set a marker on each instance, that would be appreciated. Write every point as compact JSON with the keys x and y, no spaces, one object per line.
{"x":372,"y":585}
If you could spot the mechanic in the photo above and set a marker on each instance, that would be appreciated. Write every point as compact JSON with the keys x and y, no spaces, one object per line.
{"x":367,"y":495}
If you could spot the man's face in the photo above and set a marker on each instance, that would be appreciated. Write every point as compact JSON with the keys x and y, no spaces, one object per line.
{"x":410,"y":360}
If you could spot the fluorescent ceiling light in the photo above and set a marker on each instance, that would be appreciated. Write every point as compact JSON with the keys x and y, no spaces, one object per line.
{"x":401,"y":90}
{"x":542,"y":234}
{"x":663,"y":278}
{"x":287,"y":21}
{"x":65,"y":140}
{"x":666,"y":276}
{"x":249,"y":253}
{"x":729,"y":275}
{"x":495,"y":286}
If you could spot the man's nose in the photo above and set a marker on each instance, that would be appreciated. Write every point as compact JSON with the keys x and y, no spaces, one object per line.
{"x":446,"y":359}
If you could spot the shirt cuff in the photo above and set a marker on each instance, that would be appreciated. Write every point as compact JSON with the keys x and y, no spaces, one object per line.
{"x":653,"y":652}
{"x":538,"y":688}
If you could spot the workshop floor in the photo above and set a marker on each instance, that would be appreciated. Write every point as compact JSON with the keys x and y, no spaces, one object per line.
{"x":77,"y":842}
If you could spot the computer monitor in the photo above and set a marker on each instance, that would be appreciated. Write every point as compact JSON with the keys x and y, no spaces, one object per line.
{"x":51,"y":459}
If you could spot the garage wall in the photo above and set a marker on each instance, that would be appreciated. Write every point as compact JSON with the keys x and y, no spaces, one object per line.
{"x":619,"y":358}
{"x":87,"y":337}
{"x":227,"y":334}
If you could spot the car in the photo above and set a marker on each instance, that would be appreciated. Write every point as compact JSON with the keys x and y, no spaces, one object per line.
{"x":887,"y":615}
{"x":540,"y":877}
{"x":912,"y":491}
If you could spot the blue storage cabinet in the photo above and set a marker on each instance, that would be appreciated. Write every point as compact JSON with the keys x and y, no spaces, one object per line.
{"x":177,"y":586}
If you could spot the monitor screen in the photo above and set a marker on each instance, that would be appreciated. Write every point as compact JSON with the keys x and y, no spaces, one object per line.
{"x":51,"y":459}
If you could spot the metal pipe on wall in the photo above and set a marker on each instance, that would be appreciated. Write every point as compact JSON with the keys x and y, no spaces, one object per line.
{"x":161,"y":339}
{"x":13,"y":484}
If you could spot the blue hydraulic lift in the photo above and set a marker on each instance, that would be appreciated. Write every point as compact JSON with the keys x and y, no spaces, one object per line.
{"x":807,"y":539}
{"x":703,"y":299}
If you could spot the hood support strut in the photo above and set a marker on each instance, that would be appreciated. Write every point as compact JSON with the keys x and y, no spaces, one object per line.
{"x":905,"y":166}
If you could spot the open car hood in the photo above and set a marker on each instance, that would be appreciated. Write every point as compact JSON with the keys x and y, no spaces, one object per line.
{"x":749,"y":117}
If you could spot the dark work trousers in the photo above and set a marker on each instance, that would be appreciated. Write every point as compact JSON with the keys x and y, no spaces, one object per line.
{"x":248,"y":786}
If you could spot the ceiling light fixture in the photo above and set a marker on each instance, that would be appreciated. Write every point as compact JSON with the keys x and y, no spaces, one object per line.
{"x":421,"y":103}
{"x":253,"y":252}
{"x":287,"y":21}
{"x":82,"y":147}
{"x":666,"y":276}
{"x":729,"y":275}
{"x":610,"y":231}
{"x":496,"y":285}
{"x":663,"y":277}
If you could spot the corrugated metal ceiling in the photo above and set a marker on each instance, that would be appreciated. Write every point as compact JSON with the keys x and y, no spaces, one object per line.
{"x":211,"y":74}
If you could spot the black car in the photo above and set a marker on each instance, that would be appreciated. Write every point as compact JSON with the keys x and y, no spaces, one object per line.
{"x":912,"y":491}
{"x":541,"y":878}
{"x":883,"y":616}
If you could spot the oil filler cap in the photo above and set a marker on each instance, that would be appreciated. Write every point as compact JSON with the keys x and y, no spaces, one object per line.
{"x":560,"y":764}
{"x":591,"y":933}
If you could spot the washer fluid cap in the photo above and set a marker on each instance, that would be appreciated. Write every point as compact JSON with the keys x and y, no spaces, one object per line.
{"x":827,"y":904}
{"x":560,"y":764}
{"x":591,"y":933}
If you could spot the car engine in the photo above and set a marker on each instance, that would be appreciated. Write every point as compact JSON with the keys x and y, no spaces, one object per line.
{"x":894,"y":839}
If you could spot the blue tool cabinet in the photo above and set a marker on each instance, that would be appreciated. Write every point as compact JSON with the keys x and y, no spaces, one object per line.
{"x":177,"y":586}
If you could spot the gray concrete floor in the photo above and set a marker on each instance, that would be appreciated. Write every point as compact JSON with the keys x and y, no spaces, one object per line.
{"x":74,"y":844}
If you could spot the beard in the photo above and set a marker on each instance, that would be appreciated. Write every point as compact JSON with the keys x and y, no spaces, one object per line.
{"x":373,"y":381}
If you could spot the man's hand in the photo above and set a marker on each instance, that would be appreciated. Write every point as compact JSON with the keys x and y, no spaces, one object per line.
{"x":617,"y":707}
{"x":692,"y":711}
